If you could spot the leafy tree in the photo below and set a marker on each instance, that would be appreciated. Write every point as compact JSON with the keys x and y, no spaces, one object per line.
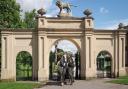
{"x":9,"y":14}
{"x":29,"y":19}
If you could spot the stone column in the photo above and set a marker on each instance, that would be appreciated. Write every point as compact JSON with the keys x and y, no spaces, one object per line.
{"x":115,"y":57}
{"x":7,"y":70}
{"x":83,"y":60}
{"x":35,"y":56}
{"x":43,"y":71}
{"x":89,"y":55}
{"x":42,"y":61}
{"x":88,"y":67}
{"x":121,"y":54}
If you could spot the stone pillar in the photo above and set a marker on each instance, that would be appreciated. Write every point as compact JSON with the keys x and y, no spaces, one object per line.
{"x":115,"y":57}
{"x":89,"y":55}
{"x":90,"y":65}
{"x":43,"y":67}
{"x":121,"y":53}
{"x":35,"y":56}
{"x":83,"y":60}
{"x":7,"y":67}
{"x":42,"y":22}
{"x":42,"y":61}
{"x":89,"y":23}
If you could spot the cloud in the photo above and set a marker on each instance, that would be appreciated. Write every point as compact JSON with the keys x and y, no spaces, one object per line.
{"x":66,"y":46}
{"x":113,"y":24}
{"x":52,"y":12}
{"x":103,"y":10}
{"x":28,"y":5}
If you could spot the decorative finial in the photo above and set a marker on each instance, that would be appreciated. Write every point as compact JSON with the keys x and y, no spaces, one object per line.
{"x":41,"y":11}
{"x":87,"y":12}
{"x":121,"y":25}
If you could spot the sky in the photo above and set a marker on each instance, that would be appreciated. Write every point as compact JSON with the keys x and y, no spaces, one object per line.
{"x":107,"y":14}
{"x":66,"y":46}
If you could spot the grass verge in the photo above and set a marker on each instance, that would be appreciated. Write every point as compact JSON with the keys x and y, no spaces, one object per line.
{"x":18,"y":85}
{"x":121,"y":80}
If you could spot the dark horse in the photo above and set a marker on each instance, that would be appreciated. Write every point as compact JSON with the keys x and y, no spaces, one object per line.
{"x":65,"y":67}
{"x":62,"y":67}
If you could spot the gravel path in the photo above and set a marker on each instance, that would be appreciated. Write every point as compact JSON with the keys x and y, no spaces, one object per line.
{"x":83,"y":84}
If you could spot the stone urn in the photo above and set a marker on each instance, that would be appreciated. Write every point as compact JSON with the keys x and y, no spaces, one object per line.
{"x":87,"y":12}
{"x":41,"y":11}
{"x":121,"y":25}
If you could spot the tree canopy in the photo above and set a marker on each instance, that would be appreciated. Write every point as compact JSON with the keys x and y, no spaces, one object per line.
{"x":29,"y":19}
{"x":10,"y":15}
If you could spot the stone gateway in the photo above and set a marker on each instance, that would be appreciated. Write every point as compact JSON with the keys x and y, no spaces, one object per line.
{"x":92,"y":44}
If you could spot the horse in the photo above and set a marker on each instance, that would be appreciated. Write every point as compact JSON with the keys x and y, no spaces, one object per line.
{"x":70,"y":71}
{"x":63,"y":5}
{"x":62,"y":67}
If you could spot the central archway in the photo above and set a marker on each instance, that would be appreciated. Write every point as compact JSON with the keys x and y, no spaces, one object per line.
{"x":59,"y":47}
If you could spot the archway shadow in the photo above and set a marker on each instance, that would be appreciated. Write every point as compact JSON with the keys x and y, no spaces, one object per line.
{"x":53,"y":83}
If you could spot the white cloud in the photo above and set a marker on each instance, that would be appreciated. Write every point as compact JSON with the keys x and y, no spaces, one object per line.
{"x":103,"y":10}
{"x":113,"y":24}
{"x":28,"y":5}
{"x":66,"y":46}
{"x":52,"y":13}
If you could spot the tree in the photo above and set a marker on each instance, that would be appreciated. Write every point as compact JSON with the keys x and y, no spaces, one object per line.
{"x":29,"y":19}
{"x":9,"y":14}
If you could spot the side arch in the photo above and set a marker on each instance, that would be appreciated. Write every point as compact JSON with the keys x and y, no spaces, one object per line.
{"x":110,"y":53}
{"x":104,"y":64}
{"x":24,"y":66}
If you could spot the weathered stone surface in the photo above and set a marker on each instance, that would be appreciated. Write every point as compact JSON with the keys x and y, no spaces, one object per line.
{"x":79,"y":31}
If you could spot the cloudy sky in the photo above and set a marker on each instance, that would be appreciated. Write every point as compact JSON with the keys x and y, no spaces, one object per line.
{"x":107,"y":13}
{"x":66,"y":46}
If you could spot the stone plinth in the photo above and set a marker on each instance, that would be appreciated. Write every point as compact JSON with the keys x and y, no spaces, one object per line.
{"x":64,"y":15}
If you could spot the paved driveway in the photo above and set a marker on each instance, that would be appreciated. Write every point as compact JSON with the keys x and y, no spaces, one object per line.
{"x":83,"y":84}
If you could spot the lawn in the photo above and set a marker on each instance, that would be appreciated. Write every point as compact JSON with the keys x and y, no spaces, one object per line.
{"x":120,"y":80}
{"x":17,"y":85}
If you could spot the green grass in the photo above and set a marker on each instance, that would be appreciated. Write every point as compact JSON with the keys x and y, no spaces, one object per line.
{"x":121,"y":80}
{"x":17,"y":85}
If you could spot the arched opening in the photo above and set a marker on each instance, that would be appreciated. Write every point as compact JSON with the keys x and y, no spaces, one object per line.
{"x":23,"y":66}
{"x":104,"y":64}
{"x":58,"y":49}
